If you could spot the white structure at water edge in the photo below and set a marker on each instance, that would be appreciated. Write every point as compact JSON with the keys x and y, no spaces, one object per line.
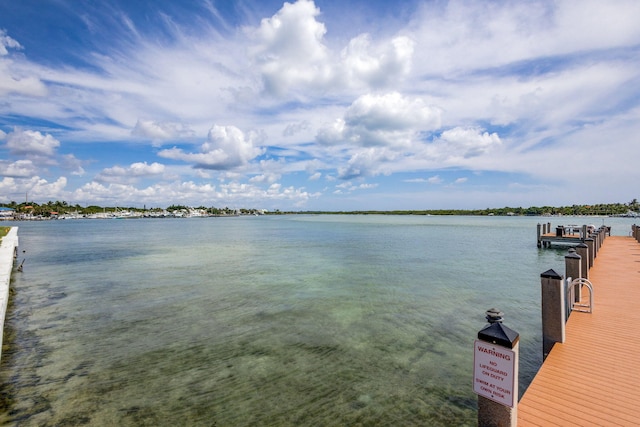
{"x":8,"y":251}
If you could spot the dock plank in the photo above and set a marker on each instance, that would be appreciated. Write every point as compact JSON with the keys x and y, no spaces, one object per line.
{"x":592,"y":378}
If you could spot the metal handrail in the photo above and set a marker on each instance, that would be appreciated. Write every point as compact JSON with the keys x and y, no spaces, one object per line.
{"x":571,"y":303}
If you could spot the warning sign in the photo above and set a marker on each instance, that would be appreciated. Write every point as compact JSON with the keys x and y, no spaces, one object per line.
{"x":494,"y":372}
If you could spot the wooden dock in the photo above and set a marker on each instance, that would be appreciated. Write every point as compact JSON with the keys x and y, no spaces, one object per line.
{"x":593,"y":378}
{"x":569,"y":235}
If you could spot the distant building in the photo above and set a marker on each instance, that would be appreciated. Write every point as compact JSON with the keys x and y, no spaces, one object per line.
{"x":6,"y":213}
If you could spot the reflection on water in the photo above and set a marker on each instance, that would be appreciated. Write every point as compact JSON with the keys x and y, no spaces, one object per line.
{"x":293,"y":320}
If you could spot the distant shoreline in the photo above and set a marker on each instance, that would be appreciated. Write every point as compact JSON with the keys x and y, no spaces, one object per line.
{"x":61,"y":210}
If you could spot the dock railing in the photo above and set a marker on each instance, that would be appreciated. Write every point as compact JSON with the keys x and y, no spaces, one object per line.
{"x":574,"y":298}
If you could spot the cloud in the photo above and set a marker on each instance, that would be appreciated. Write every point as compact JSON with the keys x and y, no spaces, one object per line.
{"x":36,"y":187}
{"x":134,"y":171}
{"x":460,"y":143}
{"x":470,"y":142}
{"x":434,"y":180}
{"x":31,"y":143}
{"x":6,"y":43}
{"x":291,"y":54}
{"x":171,"y":80}
{"x":227,"y":147}
{"x":18,"y":169}
{"x":377,"y":66}
{"x":378,"y":131}
{"x":268,"y":178}
{"x":461,"y":35}
{"x":70,"y":162}
{"x":295,"y":128}
{"x":232,"y":194}
{"x":389,"y":120}
{"x":143,"y":169}
{"x":368,"y":162}
{"x":15,"y":76}
{"x":160,"y":130}
{"x":289,"y":48}
{"x":349,"y":187}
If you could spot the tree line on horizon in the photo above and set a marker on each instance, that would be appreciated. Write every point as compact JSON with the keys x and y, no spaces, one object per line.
{"x":62,"y":207}
{"x":584,"y":210}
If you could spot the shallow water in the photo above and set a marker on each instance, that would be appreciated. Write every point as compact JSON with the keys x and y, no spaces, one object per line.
{"x":276,"y":320}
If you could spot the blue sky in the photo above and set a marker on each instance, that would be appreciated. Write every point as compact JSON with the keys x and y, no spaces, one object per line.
{"x":330,"y":105}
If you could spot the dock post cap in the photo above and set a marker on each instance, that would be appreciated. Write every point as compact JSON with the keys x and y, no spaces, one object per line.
{"x":551,"y":274}
{"x":497,"y":333}
{"x":572,"y":254}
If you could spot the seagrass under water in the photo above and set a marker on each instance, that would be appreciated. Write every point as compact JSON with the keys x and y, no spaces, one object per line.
{"x":276,"y":320}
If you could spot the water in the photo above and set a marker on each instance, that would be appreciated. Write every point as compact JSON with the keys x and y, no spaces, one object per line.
{"x":276,"y":320}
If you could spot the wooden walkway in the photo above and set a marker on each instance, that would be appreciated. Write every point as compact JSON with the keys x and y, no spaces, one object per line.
{"x":593,"y":378}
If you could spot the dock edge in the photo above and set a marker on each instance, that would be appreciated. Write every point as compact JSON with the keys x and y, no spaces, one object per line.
{"x":8,"y":253}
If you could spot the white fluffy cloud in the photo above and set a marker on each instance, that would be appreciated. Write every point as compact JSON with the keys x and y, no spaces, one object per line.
{"x":383,"y":134}
{"x":36,"y":187}
{"x":31,"y":143}
{"x":191,"y":193}
{"x":291,"y":53}
{"x":378,"y":66}
{"x":368,"y":162}
{"x":130,"y":173}
{"x":466,"y":142}
{"x":18,"y":169}
{"x":390,"y":120}
{"x":227,"y":147}
{"x":465,"y":147}
{"x":290,"y":49}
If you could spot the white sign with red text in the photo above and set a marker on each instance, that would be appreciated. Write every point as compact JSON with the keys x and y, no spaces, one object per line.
{"x":494,"y":372}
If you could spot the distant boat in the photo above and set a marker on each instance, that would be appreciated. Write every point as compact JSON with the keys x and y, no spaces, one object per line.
{"x":119,"y":214}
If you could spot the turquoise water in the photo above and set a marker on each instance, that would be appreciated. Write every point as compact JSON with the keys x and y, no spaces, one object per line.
{"x":276,"y":320}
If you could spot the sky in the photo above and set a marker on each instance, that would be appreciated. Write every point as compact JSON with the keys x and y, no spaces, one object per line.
{"x":320,"y":105}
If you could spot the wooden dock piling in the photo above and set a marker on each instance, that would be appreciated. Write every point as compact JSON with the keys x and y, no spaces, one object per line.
{"x":553,"y":310}
{"x":573,"y":270}
{"x":583,"y":250}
